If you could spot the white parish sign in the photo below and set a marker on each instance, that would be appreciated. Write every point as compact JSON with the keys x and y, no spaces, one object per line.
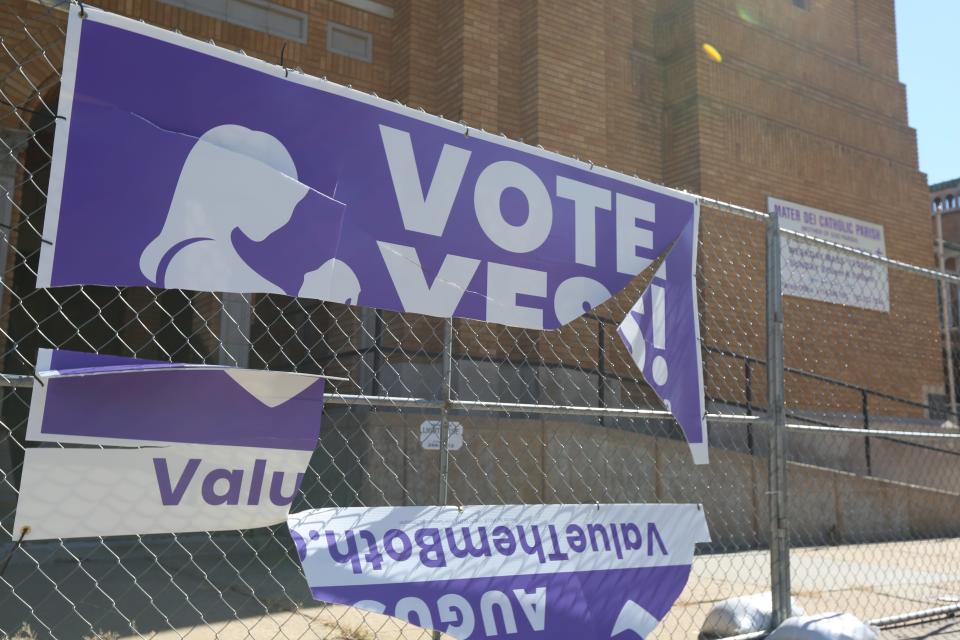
{"x":819,"y":273}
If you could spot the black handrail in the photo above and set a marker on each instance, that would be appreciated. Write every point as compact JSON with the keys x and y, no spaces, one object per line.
{"x":826,"y":379}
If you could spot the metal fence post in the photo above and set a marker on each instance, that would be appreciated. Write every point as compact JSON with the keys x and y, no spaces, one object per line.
{"x":945,"y":321}
{"x":445,"y":410}
{"x":865,"y":400}
{"x":445,"y":418}
{"x":779,"y":533}
{"x":235,"y":319}
{"x":601,"y":368}
{"x":748,"y":396}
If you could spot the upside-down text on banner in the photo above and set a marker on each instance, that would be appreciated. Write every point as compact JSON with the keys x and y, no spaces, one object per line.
{"x":519,"y":571}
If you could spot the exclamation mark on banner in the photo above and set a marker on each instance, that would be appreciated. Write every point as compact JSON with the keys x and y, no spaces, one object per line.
{"x":634,"y":337}
{"x":659,"y":366}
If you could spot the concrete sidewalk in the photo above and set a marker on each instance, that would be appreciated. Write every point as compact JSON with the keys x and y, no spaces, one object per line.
{"x":868,"y":580}
{"x":170,"y":589}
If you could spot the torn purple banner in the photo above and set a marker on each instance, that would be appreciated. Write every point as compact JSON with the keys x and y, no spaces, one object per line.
{"x":87,"y":398}
{"x":209,"y":448}
{"x":662,"y":334}
{"x":269,"y":181}
{"x":523,"y":571}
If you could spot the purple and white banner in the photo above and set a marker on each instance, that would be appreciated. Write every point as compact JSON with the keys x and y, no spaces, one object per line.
{"x":208,"y":448}
{"x":523,"y":571}
{"x":184,"y":165}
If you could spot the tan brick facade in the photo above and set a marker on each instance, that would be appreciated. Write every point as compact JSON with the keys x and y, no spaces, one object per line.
{"x":805,"y":106}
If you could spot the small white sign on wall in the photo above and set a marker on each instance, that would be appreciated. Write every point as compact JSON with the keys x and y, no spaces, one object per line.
{"x":430,"y":435}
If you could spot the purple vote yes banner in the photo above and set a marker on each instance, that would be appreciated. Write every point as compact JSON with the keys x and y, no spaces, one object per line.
{"x":561,"y":572}
{"x":180,"y":164}
{"x":206,"y":448}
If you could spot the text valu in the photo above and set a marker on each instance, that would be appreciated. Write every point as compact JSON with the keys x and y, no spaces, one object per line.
{"x":221,"y":486}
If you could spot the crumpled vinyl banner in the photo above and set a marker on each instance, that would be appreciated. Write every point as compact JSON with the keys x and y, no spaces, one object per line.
{"x":208,"y":448}
{"x":521,"y":571}
{"x":662,"y":334}
{"x":180,"y":164}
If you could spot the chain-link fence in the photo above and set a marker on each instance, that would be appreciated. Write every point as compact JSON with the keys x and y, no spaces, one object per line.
{"x":463,"y":412}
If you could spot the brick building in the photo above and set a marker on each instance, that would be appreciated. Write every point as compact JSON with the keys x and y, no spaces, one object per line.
{"x":806,"y":106}
{"x":945,"y":198}
{"x":945,"y":201}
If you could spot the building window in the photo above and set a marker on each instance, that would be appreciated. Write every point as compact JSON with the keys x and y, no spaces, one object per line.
{"x":350,"y":42}
{"x":259,"y":15}
{"x":802,"y":4}
{"x":370,"y":6}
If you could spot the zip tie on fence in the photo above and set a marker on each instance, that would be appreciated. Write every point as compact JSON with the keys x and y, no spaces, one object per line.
{"x":286,"y":72}
{"x":16,"y":545}
{"x":7,"y":226}
{"x":28,"y":110}
{"x":83,"y":14}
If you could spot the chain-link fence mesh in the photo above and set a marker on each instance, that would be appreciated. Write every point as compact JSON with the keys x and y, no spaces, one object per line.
{"x":531,"y":417}
{"x":868,"y":510}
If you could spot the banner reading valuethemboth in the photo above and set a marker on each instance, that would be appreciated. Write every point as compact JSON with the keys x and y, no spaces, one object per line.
{"x":519,"y":571}
{"x":245,"y":177}
{"x":217,"y":448}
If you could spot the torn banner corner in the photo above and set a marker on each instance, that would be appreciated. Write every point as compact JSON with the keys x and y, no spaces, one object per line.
{"x":662,"y":334}
{"x":189,"y":447}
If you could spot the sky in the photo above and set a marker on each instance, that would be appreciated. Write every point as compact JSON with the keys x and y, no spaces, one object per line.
{"x":927,"y":46}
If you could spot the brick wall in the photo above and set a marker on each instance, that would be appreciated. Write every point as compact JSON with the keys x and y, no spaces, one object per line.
{"x":806,"y":106}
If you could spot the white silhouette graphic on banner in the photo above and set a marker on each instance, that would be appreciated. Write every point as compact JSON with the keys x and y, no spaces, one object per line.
{"x":236,"y":180}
